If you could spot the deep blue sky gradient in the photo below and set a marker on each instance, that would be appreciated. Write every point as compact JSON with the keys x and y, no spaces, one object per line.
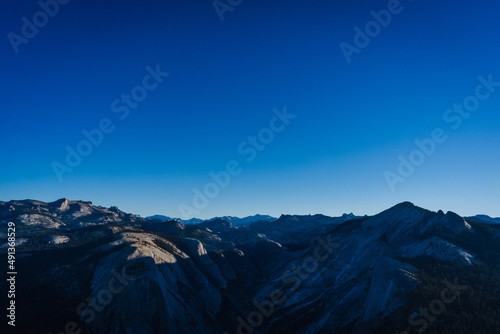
{"x":353,"y":120}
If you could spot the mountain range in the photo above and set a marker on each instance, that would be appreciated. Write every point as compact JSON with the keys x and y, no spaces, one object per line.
{"x":486,"y":219}
{"x":233,"y":220}
{"x":88,"y":269}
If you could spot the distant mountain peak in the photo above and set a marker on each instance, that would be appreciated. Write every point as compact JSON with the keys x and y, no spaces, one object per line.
{"x":405,"y":207}
{"x":219,"y":225}
{"x":61,"y":204}
{"x":405,"y":204}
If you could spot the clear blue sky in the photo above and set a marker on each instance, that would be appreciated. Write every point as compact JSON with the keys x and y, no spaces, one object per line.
{"x":225,"y":78}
